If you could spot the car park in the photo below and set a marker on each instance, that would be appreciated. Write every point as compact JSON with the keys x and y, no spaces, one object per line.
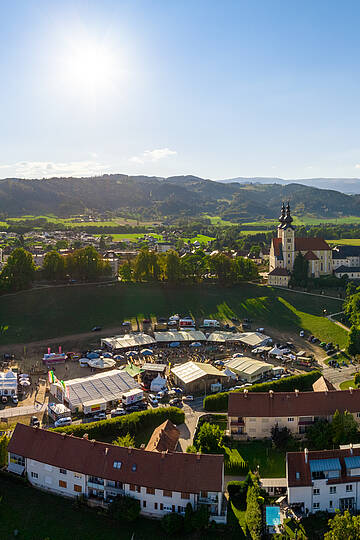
{"x":63,"y":422}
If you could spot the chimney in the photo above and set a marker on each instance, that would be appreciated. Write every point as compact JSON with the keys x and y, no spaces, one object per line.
{"x":271,"y":393}
{"x":198,"y":456}
{"x":106,"y":451}
{"x":350,"y":389}
{"x":246,"y":391}
{"x":296,"y":392}
{"x":306,"y":452}
{"x":85,"y":436}
{"x":351,"y":448}
{"x":129,"y":450}
{"x":163,"y":454}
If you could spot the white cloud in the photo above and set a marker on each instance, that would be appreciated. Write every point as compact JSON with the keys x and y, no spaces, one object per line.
{"x":153,"y":155}
{"x":46,"y":169}
{"x":357,"y":166}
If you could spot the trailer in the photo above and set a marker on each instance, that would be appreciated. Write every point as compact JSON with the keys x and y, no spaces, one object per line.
{"x":132,"y":396}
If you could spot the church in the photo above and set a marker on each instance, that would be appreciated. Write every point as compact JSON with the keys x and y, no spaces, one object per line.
{"x":286,"y":246}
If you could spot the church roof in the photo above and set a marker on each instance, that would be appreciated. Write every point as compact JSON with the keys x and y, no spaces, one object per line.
{"x":346,"y":269}
{"x":279,"y":272}
{"x":277,"y":247}
{"x":310,"y":256}
{"x":311,"y":244}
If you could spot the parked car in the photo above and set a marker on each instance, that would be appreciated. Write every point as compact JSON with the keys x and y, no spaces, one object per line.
{"x":126,"y":323}
{"x":140,"y":406}
{"x":15,"y":399}
{"x":160,"y":394}
{"x":63,"y":422}
{"x":175,"y":402}
{"x":4,"y":399}
{"x":152,"y":400}
{"x":101,"y":415}
{"x":188,"y":398}
{"x":34,"y":421}
{"x":117,"y":412}
{"x":301,"y":333}
{"x":96,"y":329}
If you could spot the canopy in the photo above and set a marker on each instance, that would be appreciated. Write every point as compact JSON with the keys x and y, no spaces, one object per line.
{"x":175,"y":344}
{"x":102,"y":363}
{"x":92,"y":355}
{"x":230,"y":373}
{"x":147,"y":352}
{"x":132,"y":353}
{"x":237,"y":355}
{"x":157,"y":384}
{"x":195,"y":344}
{"x":107,"y":355}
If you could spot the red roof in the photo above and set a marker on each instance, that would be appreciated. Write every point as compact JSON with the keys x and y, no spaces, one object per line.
{"x":277,"y":246}
{"x":279,"y":272}
{"x":280,"y":404}
{"x":310,"y":256}
{"x":296,"y":464}
{"x":311,"y":244}
{"x":164,"y":438}
{"x":182,"y":472}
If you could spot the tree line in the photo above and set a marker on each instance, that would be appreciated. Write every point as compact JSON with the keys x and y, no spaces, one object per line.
{"x":196,"y":267}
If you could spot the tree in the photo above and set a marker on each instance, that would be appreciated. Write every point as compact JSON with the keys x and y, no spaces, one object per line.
{"x":280,"y":436}
{"x":209,"y":439}
{"x":19,"y":271}
{"x":344,"y":428}
{"x":173,"y":271}
{"x":4,"y":441}
{"x":125,"y":440}
{"x":357,"y":380}
{"x":320,"y":435}
{"x":172,"y":523}
{"x":353,"y":346}
{"x":343,"y":527}
{"x":126,"y":272}
{"x":125,"y":508}
{"x":299,"y":275}
{"x":200,"y":518}
{"x":102,"y":243}
{"x":86,"y":264}
{"x":54,"y":266}
{"x":253,"y":514}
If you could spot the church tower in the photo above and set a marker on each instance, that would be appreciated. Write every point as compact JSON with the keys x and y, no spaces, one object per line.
{"x":281,"y":220}
{"x":288,"y":239}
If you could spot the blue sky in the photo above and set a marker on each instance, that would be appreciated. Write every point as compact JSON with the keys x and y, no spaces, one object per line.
{"x":213,"y":88}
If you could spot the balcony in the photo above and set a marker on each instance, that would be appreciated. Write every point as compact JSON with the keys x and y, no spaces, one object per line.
{"x":95,"y":483}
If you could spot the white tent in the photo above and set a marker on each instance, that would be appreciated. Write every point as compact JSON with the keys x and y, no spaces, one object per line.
{"x":230,"y":373}
{"x":157,"y":384}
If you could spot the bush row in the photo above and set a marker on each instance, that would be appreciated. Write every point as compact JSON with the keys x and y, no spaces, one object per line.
{"x":219,"y":402}
{"x":131,"y":423}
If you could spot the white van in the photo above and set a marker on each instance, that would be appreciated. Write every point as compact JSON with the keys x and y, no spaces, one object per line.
{"x":211,"y":323}
{"x":63,"y":422}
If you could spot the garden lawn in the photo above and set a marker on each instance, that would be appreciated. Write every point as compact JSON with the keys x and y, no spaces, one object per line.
{"x":345,"y":385}
{"x":55,"y":312}
{"x":271,"y":461}
{"x":37,"y":515}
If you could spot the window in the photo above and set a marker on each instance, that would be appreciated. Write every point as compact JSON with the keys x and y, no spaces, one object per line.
{"x":358,"y":414}
{"x":161,"y":506}
{"x":150,"y":491}
{"x":316,"y":491}
{"x":167,"y":493}
{"x":134,"y":467}
{"x":63,"y":471}
{"x":62,"y":484}
{"x":290,"y":419}
{"x":144,"y":504}
{"x":297,"y":476}
{"x":155,"y":505}
{"x":77,"y":488}
{"x":117,"y":464}
{"x":185,"y":495}
{"x":19,"y":460}
{"x":34,"y":475}
{"x":77,"y":475}
{"x":173,"y":508}
{"x":349,"y":487}
{"x":316,"y":505}
{"x":332,"y":489}
{"x":132,"y":487}
{"x":204,"y":494}
{"x":330,"y":504}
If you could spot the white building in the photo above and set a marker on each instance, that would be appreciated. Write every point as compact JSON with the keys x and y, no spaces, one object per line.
{"x":249,"y":369}
{"x":8,"y":383}
{"x":254,"y":414}
{"x":163,"y":482}
{"x":324,"y":480}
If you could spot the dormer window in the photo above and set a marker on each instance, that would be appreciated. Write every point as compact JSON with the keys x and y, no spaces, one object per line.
{"x":134,"y":467}
{"x":117,"y":464}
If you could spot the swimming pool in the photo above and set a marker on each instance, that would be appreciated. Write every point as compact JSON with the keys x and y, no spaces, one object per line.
{"x":273,"y":516}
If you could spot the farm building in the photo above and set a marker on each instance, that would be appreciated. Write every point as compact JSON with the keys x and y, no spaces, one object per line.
{"x":94,"y":393}
{"x":180,"y":336}
{"x":248,"y":368}
{"x":196,"y":376}
{"x":128,"y":341}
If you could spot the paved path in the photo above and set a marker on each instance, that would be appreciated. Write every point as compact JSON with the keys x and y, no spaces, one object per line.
{"x":331,"y":318}
{"x":339,"y":375}
{"x":12,"y":412}
{"x":187,"y":429}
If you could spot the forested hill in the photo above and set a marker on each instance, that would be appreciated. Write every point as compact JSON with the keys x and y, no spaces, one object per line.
{"x":173,"y":196}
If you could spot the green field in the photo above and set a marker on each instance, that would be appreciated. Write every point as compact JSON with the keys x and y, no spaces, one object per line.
{"x":39,"y":516}
{"x":308,"y":220}
{"x":69,"y":222}
{"x":48,"y":313}
{"x":133,"y":237}
{"x":345,"y":242}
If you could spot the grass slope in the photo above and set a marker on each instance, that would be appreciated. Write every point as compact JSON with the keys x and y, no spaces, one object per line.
{"x":45,"y":313}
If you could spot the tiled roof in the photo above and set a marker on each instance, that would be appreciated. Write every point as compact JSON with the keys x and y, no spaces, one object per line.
{"x":346,"y":251}
{"x":346,"y":269}
{"x":310,"y":256}
{"x":176,"y":471}
{"x":280,"y":404}
{"x":277,"y":247}
{"x":279,"y":272}
{"x":299,"y":473}
{"x":311,"y":244}
{"x":164,"y":438}
{"x":322,"y":384}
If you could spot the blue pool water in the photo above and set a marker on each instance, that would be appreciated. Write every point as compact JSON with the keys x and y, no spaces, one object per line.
{"x":273,"y":516}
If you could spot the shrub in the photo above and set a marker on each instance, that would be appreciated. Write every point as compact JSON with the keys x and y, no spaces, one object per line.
{"x":253,"y":514}
{"x":172,"y":523}
{"x":125,"y":508}
{"x":122,"y":425}
{"x":219,"y":402}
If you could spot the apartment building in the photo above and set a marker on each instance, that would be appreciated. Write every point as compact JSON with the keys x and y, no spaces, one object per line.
{"x":162,"y":481}
{"x":254,"y":414}
{"x":324,"y":480}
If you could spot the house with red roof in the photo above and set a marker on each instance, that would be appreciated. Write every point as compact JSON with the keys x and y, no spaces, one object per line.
{"x":285,"y":247}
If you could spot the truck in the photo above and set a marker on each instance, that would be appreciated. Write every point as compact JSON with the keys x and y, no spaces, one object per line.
{"x":132,"y":396}
{"x":211,"y":323}
{"x":186,"y":322}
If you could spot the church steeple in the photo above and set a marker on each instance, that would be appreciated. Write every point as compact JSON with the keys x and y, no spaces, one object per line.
{"x":288,"y":219}
{"x":282,"y":215}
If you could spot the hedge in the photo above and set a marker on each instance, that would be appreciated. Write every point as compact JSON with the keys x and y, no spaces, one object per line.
{"x":219,"y":402}
{"x":131,"y":423}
